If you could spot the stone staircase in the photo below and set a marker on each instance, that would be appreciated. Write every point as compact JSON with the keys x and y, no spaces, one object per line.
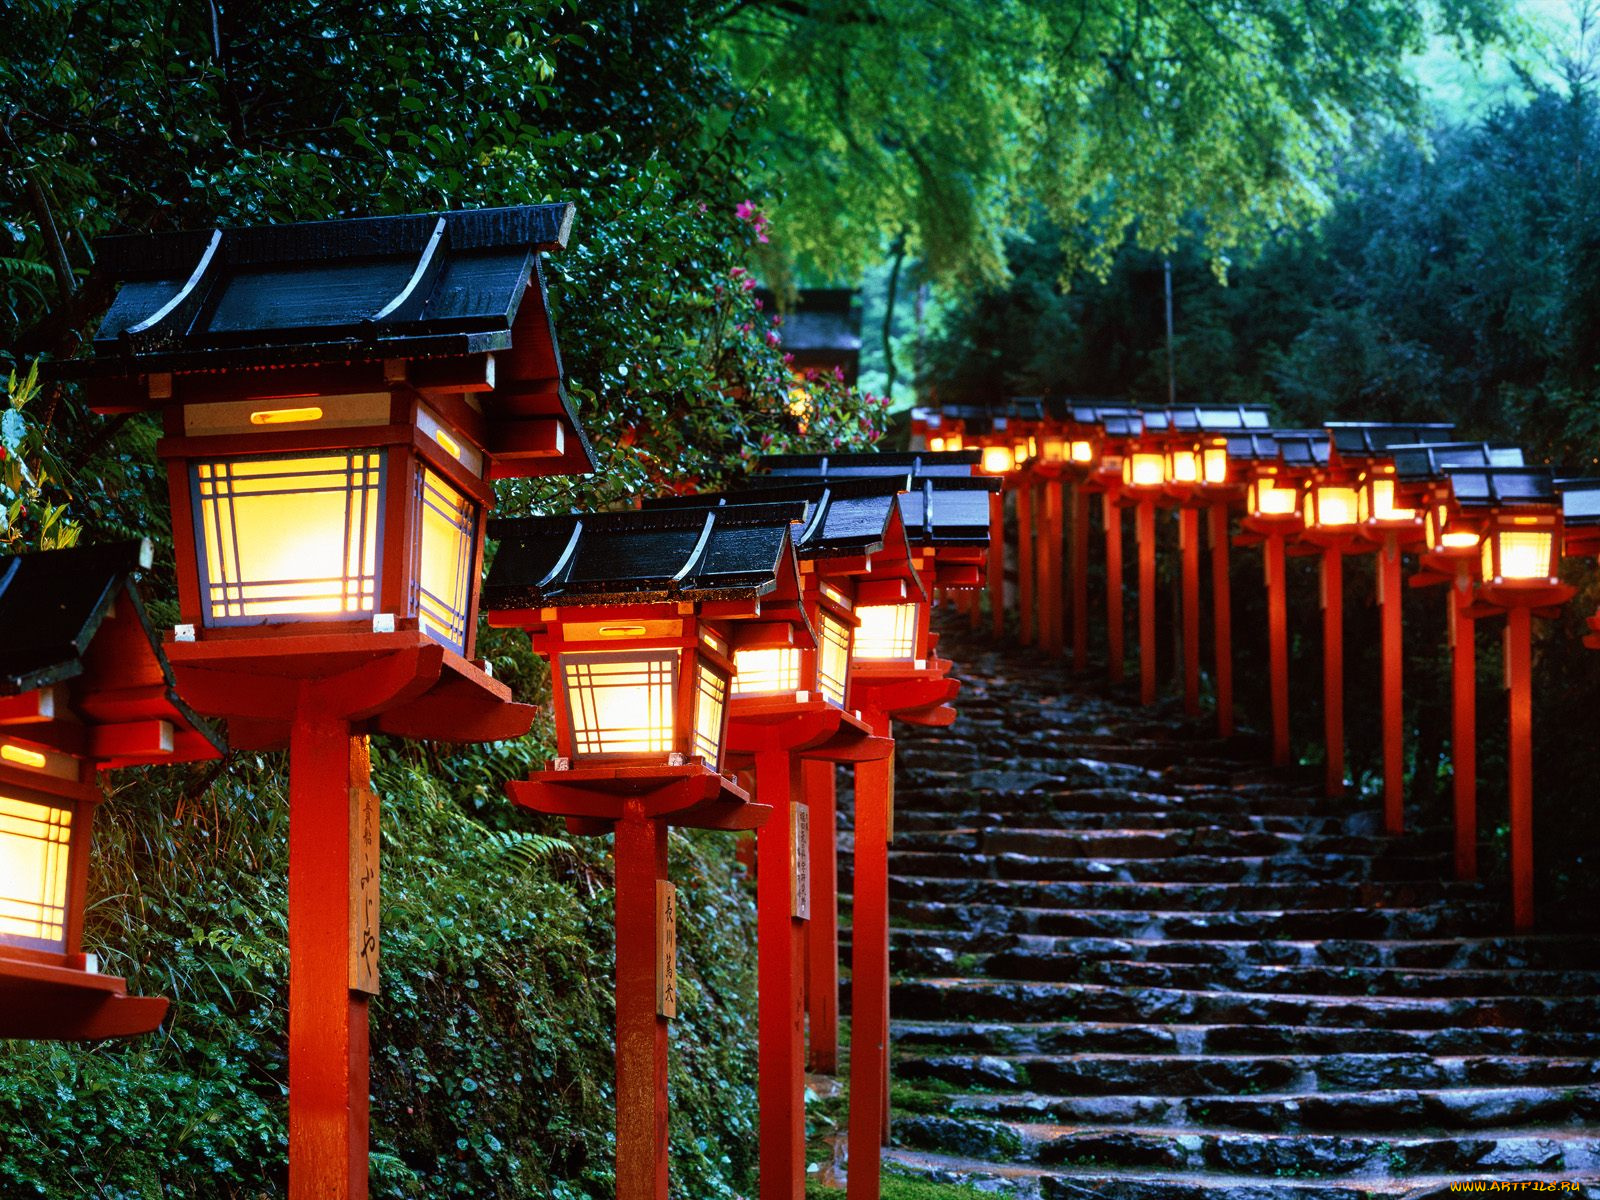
{"x":1131,"y":964}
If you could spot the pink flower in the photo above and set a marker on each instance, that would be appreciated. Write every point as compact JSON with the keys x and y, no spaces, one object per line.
{"x":788,"y":360}
{"x":746,"y":327}
{"x":736,"y":272}
{"x":759,"y":304}
{"x":763,"y":238}
{"x":773,"y":339}
{"x":745,"y":211}
{"x":766,"y":440}
{"x":838,"y":373}
{"x":749,"y":285}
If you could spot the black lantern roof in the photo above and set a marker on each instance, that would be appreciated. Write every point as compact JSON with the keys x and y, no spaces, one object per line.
{"x":1068,"y":408}
{"x":1253,"y":446}
{"x":663,"y":554}
{"x":823,"y":330}
{"x":73,"y":619}
{"x":1218,"y":418}
{"x":1371,"y":439}
{"x":1427,"y":461}
{"x":944,"y":510}
{"x":1302,"y":447}
{"x":458,"y":297}
{"x":1026,"y":408}
{"x":839,"y":516}
{"x":1580,"y":501}
{"x":830,"y":466}
{"x":1502,"y":487}
{"x":1114,"y":420}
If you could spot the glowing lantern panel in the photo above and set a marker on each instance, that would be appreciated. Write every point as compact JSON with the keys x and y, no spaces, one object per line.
{"x":766,"y":672}
{"x":1183,"y":466}
{"x":1268,"y":498}
{"x":622,"y":703}
{"x":710,"y":711}
{"x":887,"y":632}
{"x":1143,"y":469}
{"x":1082,"y":452}
{"x":998,"y":460}
{"x":833,"y":657}
{"x":446,"y":538}
{"x":35,"y":849}
{"x":1524,"y":555}
{"x":1214,"y":464}
{"x":1333,"y":506}
{"x":288,"y":537}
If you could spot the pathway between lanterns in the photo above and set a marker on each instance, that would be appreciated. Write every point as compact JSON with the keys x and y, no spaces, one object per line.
{"x":1131,"y":965}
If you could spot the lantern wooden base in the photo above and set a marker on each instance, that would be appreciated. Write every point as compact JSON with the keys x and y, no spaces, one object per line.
{"x":60,"y":1003}
{"x":401,"y":683}
{"x":638,"y":803}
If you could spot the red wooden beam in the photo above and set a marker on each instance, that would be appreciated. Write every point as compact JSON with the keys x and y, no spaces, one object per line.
{"x":819,"y":780}
{"x":1464,"y":721}
{"x":1391,"y":598}
{"x":781,"y":1004}
{"x":1519,"y":756}
{"x":1146,"y":527}
{"x":1333,"y":667}
{"x":869,"y":977}
{"x":1080,"y":579}
{"x":1050,"y":564}
{"x":328,"y":1064}
{"x":1189,"y":550}
{"x":640,"y":856}
{"x":997,"y":563}
{"x":1278,"y":645}
{"x":1222,"y":617}
{"x":1027,"y":598}
{"x":1115,"y":646}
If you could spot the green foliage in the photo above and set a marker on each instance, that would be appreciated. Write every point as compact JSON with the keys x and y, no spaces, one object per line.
{"x":28,"y":471}
{"x":953,"y":123}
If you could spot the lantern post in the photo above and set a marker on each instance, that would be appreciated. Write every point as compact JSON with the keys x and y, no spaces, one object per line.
{"x":1051,"y":467}
{"x":1519,"y":560}
{"x":1120,"y":430}
{"x":337,"y":397}
{"x":644,"y":616}
{"x":895,"y":679}
{"x":1449,"y":557}
{"x":1087,"y":433}
{"x":1272,"y":516}
{"x":1143,"y":477}
{"x":84,"y":688}
{"x":1391,"y":526}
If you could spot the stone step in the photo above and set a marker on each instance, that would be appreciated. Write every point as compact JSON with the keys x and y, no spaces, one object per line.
{"x":1522,"y":952}
{"x":1106,"y":1037}
{"x":991,"y":1000}
{"x":1259,"y":1155}
{"x":946,"y":829}
{"x":1235,"y":1075}
{"x":1047,"y":802}
{"x":1280,"y":980}
{"x":1271,"y":923}
{"x":1188,"y":868}
{"x":1028,"y":1181}
{"x":1176,"y":897}
{"x":1367,"y":1111}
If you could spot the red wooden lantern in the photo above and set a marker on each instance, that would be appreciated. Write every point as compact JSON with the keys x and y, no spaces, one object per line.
{"x":1281,"y":469}
{"x":1518,"y":558}
{"x":1119,"y":429}
{"x":645,"y":617}
{"x":83,"y":688}
{"x":336,"y":398}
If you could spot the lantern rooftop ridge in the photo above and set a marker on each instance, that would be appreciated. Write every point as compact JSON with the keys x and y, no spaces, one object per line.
{"x":1425,"y":461}
{"x":54,"y":605}
{"x":1493,"y":487}
{"x":734,"y":552}
{"x":1580,"y":500}
{"x":1213,"y":418}
{"x":1303,"y":447}
{"x":1256,"y":445}
{"x":918,"y":462}
{"x":1366,"y":439}
{"x":847,"y":515}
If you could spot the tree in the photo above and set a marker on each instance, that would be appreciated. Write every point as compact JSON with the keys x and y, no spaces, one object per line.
{"x":954,"y":123}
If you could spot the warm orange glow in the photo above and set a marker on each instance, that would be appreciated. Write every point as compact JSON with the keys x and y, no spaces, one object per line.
{"x":35,"y":845}
{"x":1215,"y":464}
{"x":1271,"y":499}
{"x":1459,"y":540}
{"x":710,"y":707}
{"x":1082,"y":452}
{"x":446,"y":541}
{"x":833,"y":657}
{"x":998,"y":460}
{"x":766,"y":672}
{"x":621,"y":631}
{"x":450,"y":445}
{"x":289,"y":536}
{"x":936,"y":444}
{"x":1383,"y":506}
{"x":621,"y":703}
{"x":1183,"y":466}
{"x":286,"y":416}
{"x":1333,"y":506}
{"x":1143,"y":468}
{"x":953,"y":442}
{"x":887,"y":632}
{"x":1055,"y":449}
{"x":1524,"y":554}
{"x":22,"y":756}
